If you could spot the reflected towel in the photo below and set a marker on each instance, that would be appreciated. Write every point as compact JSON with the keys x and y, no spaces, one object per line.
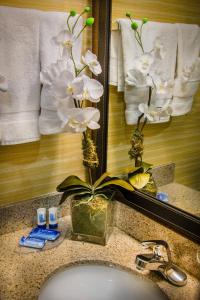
{"x":188,"y":68}
{"x":166,"y":67}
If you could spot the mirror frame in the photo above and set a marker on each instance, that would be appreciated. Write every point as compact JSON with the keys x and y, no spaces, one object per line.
{"x":101,"y":45}
{"x":172,"y":217}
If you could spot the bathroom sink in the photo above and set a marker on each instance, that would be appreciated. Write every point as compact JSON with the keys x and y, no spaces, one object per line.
{"x":98,"y":282}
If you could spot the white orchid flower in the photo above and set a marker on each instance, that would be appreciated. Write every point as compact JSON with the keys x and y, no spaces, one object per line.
{"x":3,"y":84}
{"x":153,"y":113}
{"x":143,"y":63}
{"x":92,"y":90}
{"x":66,"y":40}
{"x":192,"y":73}
{"x":148,"y":111}
{"x":48,"y":75}
{"x":136,"y":78}
{"x":163,"y":87}
{"x":91,"y":61}
{"x":158,"y":49}
{"x":78,"y":119}
{"x":66,"y":85}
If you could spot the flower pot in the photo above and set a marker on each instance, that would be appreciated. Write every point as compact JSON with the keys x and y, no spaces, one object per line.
{"x":91,"y":219}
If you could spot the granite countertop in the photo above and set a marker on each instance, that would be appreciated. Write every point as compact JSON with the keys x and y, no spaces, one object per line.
{"x":22,"y":274}
{"x":183,"y":197}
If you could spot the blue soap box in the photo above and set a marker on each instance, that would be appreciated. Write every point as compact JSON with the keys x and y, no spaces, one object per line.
{"x":32,"y":242}
{"x":44,"y":234}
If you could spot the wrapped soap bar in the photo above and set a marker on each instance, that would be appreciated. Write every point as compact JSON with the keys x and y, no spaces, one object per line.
{"x":32,"y":242}
{"x":162,"y":196}
{"x":44,"y":234}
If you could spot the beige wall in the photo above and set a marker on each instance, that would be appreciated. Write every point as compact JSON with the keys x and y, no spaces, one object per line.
{"x":33,"y":169}
{"x":177,"y":141}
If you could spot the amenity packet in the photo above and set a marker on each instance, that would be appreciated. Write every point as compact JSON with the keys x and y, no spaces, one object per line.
{"x":32,"y":242}
{"x":44,"y":234}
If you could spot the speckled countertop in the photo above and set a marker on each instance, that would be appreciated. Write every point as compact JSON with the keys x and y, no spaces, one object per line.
{"x":183,"y":197}
{"x":22,"y":274}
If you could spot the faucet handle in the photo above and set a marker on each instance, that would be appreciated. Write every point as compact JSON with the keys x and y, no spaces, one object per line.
{"x":157,"y":247}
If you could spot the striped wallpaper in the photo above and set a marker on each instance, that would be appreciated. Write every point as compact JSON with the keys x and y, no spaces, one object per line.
{"x":33,"y":169}
{"x":177,"y":141}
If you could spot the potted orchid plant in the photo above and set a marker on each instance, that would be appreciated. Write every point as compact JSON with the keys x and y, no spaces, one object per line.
{"x":73,"y":91}
{"x":144,"y":74}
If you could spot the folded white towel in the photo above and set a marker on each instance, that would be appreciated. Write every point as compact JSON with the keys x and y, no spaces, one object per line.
{"x":3,"y":84}
{"x":188,"y":68}
{"x":52,"y":23}
{"x":114,"y":44}
{"x":116,"y":61}
{"x":165,"y":67}
{"x":19,"y":64}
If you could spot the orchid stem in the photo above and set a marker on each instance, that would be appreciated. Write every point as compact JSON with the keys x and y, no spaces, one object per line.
{"x":75,"y":69}
{"x":68,"y":23}
{"x":139,"y":40}
{"x":81,"y":70}
{"x":81,"y":31}
{"x":150,"y":93}
{"x":88,"y":168}
{"x":76,"y":22}
{"x":143,"y":125}
{"x":138,"y":122}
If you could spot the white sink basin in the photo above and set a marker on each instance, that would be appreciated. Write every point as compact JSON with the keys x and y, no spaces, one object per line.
{"x":98,"y":282}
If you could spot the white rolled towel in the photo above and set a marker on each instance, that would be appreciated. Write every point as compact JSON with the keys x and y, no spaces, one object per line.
{"x":20,"y":68}
{"x":52,"y":23}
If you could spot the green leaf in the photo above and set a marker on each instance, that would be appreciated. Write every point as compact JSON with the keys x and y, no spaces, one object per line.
{"x":117,"y":182}
{"x":98,"y":181}
{"x":63,"y":198}
{"x":139,"y":180}
{"x":146,"y":167}
{"x":74,"y":192}
{"x":72,"y":181}
{"x":108,"y":193}
{"x":77,"y":189}
{"x":135,"y":170}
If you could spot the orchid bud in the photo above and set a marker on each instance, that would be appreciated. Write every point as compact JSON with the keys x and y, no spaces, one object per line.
{"x":72,"y":13}
{"x":128,"y":14}
{"x":89,"y":21}
{"x":134,"y":25}
{"x":144,"y":20}
{"x":87,"y":9}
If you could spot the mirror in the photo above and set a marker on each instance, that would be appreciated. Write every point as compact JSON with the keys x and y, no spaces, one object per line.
{"x":176,"y":141}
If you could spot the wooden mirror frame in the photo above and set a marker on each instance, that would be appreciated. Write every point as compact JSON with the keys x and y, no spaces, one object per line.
{"x":172,"y":217}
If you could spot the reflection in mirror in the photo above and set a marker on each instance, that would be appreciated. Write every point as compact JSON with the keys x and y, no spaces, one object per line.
{"x":162,"y":86}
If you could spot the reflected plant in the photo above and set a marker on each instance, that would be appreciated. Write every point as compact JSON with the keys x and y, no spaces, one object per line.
{"x":144,"y":74}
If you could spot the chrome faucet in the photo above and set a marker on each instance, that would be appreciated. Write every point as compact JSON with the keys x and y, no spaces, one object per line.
{"x":160,"y":260}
